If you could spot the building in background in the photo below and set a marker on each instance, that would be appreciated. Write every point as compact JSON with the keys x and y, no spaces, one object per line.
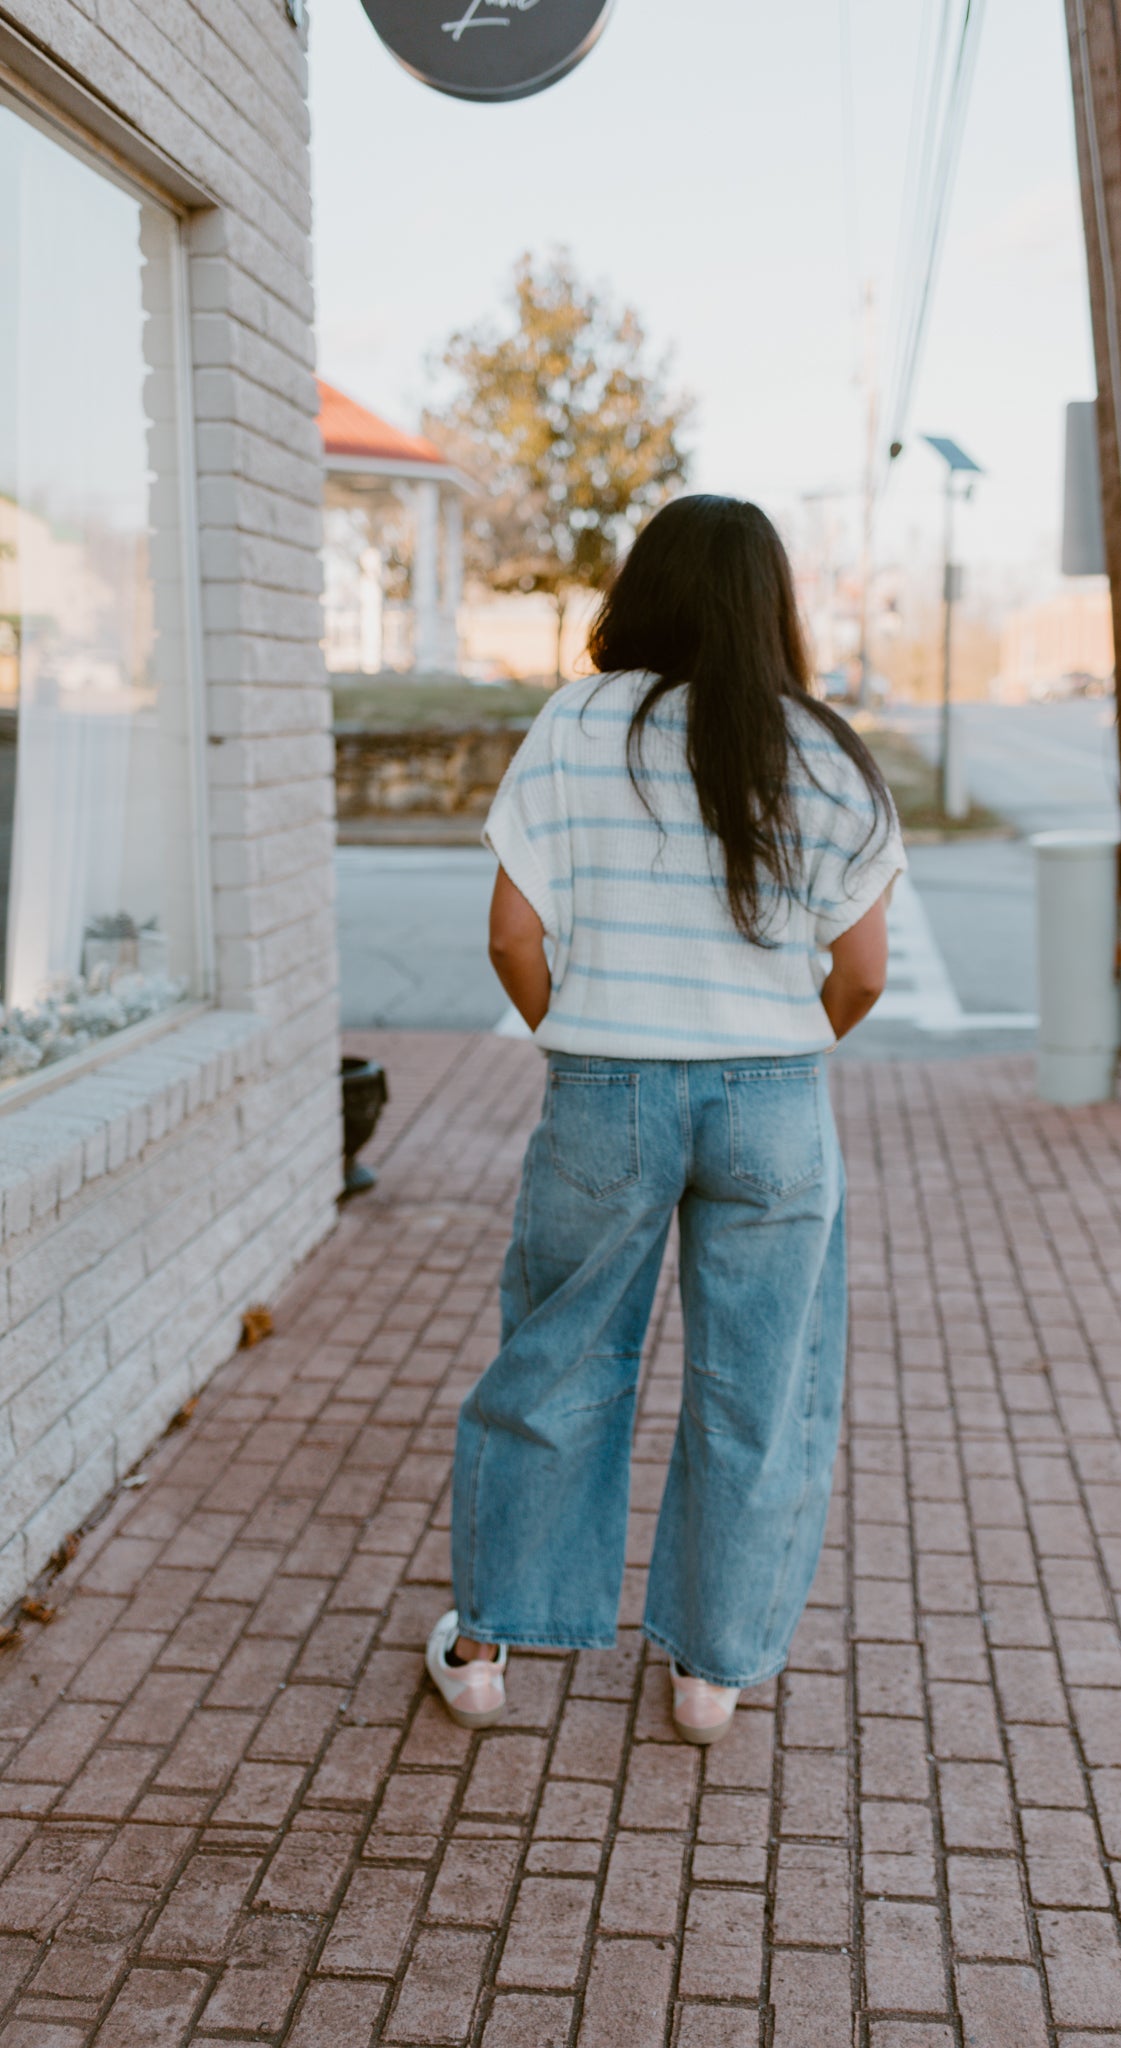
{"x":169,"y":1128}
{"x":394,"y":601}
{"x":393,"y":545}
{"x":1059,"y":647}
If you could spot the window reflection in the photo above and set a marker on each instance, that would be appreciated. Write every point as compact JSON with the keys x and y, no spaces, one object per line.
{"x":98,"y":919}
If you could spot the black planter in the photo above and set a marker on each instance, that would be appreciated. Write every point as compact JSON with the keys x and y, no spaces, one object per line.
{"x":365,"y":1094}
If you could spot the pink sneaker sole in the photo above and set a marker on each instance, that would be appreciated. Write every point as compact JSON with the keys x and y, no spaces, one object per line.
{"x":474,"y":1694}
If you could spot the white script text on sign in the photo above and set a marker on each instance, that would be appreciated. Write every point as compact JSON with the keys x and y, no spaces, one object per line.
{"x":543,"y":40}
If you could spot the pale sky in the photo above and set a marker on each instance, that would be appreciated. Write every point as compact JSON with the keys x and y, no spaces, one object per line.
{"x":698,"y":172}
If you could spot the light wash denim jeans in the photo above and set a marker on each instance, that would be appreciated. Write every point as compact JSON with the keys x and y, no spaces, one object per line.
{"x":746,"y":1153}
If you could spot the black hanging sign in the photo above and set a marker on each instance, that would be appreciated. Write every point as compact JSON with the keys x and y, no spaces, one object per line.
{"x":489,"y":49}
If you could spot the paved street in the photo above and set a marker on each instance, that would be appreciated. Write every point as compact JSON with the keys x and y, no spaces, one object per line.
{"x":412,"y":923}
{"x":1045,"y":767}
{"x":962,"y":972}
{"x":231,"y":1811}
{"x":413,"y":938}
{"x":413,"y":919}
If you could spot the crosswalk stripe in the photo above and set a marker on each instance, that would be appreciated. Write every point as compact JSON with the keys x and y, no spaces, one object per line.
{"x":919,"y":989}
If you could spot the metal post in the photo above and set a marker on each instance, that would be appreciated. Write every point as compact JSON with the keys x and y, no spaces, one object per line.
{"x":947,"y":644}
{"x":1079,"y":999}
{"x":955,"y":803}
{"x":871,"y":444}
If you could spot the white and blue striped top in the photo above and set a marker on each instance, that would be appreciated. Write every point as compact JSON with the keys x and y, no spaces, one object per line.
{"x":646,"y":959}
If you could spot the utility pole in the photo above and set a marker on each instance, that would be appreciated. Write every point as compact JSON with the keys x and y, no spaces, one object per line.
{"x":1095,"y":59}
{"x":871,"y":438}
{"x":947,"y":779}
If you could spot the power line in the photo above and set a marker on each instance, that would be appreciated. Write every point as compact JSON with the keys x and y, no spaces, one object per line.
{"x":914,"y":226}
{"x":943,"y":131}
{"x":952,"y":132}
{"x":941,"y":149}
{"x":929,"y":102}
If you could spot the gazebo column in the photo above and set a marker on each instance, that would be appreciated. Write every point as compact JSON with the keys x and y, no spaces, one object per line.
{"x":370,"y":607}
{"x":426,"y":563}
{"x":453,"y":577}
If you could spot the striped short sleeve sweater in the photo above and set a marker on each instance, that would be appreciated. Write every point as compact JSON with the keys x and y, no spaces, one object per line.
{"x":646,"y":959}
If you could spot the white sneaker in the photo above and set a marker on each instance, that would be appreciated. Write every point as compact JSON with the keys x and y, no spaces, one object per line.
{"x":474,"y":1694}
{"x":702,"y":1713}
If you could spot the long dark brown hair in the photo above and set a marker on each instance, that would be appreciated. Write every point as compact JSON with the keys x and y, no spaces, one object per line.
{"x":706,"y":597}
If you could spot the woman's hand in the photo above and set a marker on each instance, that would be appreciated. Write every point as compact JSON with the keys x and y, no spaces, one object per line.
{"x":517,"y":951}
{"x":856,"y":980}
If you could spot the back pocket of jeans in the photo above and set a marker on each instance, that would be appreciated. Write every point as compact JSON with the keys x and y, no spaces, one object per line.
{"x":774,"y":1120}
{"x":593,"y":1131}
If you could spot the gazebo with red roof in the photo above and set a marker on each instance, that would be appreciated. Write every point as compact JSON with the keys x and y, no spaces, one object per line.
{"x":368,"y":462}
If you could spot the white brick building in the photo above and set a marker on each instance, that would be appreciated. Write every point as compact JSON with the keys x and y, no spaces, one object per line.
{"x":169,"y":1128}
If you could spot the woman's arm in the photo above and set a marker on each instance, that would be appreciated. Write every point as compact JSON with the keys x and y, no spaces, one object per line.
{"x":856,"y":980}
{"x":517,"y":950}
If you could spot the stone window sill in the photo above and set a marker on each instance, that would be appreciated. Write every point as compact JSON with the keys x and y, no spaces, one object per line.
{"x":81,"y":1129}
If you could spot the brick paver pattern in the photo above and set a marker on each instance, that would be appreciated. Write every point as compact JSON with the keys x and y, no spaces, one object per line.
{"x":232,"y":1809}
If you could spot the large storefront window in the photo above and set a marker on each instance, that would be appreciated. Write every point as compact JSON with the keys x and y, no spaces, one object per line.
{"x":98,"y":837}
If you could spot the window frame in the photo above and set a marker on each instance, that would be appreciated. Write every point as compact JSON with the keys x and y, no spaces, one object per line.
{"x":25,"y":103}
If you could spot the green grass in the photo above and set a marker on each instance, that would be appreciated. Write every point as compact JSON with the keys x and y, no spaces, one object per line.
{"x":913,"y":783}
{"x":402,"y":704}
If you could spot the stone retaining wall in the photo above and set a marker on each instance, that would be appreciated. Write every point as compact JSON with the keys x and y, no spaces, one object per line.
{"x":443,"y":773}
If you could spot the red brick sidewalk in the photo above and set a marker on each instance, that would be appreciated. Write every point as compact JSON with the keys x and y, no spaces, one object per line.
{"x":230,"y":1810}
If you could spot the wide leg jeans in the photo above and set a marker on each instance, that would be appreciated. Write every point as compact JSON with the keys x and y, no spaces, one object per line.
{"x":745,"y":1153}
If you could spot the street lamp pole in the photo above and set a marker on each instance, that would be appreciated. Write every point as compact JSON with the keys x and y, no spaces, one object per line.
{"x":948,"y":594}
{"x":868,"y":513}
{"x":958,"y":463}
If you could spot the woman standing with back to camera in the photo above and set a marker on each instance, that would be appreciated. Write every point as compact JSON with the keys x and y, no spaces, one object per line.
{"x":689,"y":832}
